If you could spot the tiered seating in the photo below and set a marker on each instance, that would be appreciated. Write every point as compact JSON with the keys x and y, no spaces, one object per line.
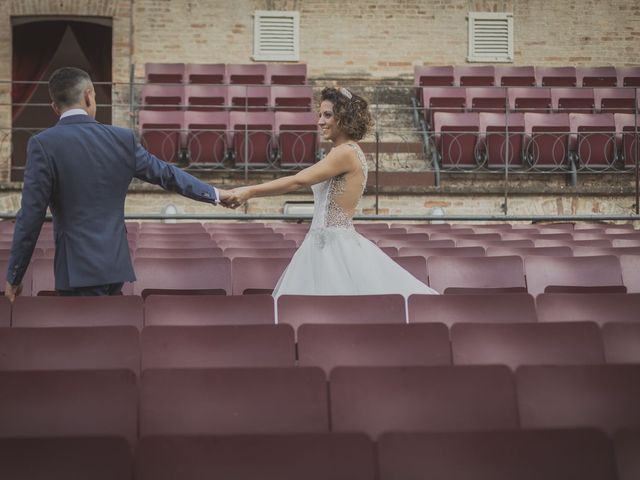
{"x":539,"y":94}
{"x":204,"y":114}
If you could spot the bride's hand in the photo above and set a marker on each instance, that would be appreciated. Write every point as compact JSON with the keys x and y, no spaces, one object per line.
{"x":238,"y":196}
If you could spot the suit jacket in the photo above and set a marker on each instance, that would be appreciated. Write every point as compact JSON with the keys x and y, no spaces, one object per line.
{"x":81,"y":170}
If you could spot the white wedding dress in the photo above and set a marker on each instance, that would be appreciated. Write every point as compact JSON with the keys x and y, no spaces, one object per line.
{"x":334,"y":259}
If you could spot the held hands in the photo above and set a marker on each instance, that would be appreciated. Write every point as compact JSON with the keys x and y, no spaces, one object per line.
{"x":236,"y":197}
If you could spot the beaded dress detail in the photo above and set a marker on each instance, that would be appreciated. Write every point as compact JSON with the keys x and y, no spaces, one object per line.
{"x":334,"y":259}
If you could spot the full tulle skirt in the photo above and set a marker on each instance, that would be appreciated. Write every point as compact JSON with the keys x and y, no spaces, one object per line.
{"x":340,"y":261}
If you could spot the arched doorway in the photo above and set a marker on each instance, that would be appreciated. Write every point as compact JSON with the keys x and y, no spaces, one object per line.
{"x":40,"y":46}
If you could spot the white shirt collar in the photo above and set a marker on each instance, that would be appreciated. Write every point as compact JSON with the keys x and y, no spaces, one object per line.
{"x":73,"y":111}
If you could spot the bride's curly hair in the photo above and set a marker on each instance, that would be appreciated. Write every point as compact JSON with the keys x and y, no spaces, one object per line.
{"x":351,"y":111}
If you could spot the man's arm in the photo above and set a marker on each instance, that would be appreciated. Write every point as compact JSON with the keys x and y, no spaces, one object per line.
{"x":36,"y":195}
{"x":153,"y":170}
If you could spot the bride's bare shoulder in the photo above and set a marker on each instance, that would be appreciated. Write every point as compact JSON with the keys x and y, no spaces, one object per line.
{"x":345,"y":153}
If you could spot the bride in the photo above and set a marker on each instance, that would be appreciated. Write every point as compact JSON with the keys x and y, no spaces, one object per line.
{"x":334,"y":259}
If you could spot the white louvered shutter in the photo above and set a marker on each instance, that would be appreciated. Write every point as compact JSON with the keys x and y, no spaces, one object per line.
{"x":276,"y":36}
{"x":490,"y":37}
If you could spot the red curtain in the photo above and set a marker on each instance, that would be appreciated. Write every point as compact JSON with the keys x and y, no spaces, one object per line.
{"x":94,"y":40}
{"x":32,"y":58}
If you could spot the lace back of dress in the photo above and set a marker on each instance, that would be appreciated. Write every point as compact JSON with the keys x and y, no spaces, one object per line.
{"x":335,"y":216}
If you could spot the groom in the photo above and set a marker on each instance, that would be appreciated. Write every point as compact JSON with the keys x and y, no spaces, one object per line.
{"x":81,"y":170}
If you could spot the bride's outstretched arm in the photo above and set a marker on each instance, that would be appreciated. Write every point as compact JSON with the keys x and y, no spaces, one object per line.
{"x":338,"y":161}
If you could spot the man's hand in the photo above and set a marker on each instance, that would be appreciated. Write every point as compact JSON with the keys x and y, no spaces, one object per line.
{"x":238,"y":196}
{"x":12,"y":291}
{"x":224,"y":197}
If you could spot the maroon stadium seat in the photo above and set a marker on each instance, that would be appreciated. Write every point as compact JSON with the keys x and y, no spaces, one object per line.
{"x":77,"y":311}
{"x":497,"y":250}
{"x":576,"y":100}
{"x":486,"y":244}
{"x":246,"y":74}
{"x":515,"y":76}
{"x":628,"y":137}
{"x":452,"y":251}
{"x":475,"y":272}
{"x":442,"y":99}
{"x":415,"y":265}
{"x":287,"y":73}
{"x":530,"y":99}
{"x":543,"y":272}
{"x":69,"y":403}
{"x":376,"y":400}
{"x":501,"y":455}
{"x":487,"y":99}
{"x":223,"y":401}
{"x":164,"y":98}
{"x":160,"y":133}
{"x":494,"y":145}
{"x":556,"y":77}
{"x":390,"y":345}
{"x":474,"y":75}
{"x":248,"y":98}
{"x":628,"y":76}
{"x":206,"y":73}
{"x":456,"y":137}
{"x":593,"y":138}
{"x":621,"y":342}
{"x":178,"y":252}
{"x":164,"y":72}
{"x":291,"y":98}
{"x":596,"y":76}
{"x":80,"y":458}
{"x":217,"y":346}
{"x":432,"y":76}
{"x":615,"y":100}
{"x":297,"y":137}
{"x":253,"y":132}
{"x":208,"y":310}
{"x":310,"y":456}
{"x":602,"y":308}
{"x":515,"y":344}
{"x":547,"y":139}
{"x":182,"y":274}
{"x":232,"y":252}
{"x":297,"y":310}
{"x":256,"y":273}
{"x":71,"y":348}
{"x":602,"y":396}
{"x":452,"y":309}
{"x":207,"y":137}
{"x":206,"y":98}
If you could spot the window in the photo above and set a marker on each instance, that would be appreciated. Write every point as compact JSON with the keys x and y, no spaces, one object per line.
{"x":490,"y":37}
{"x":276,"y":36}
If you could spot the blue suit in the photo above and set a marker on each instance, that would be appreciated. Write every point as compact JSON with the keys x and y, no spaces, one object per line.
{"x":81,"y":170}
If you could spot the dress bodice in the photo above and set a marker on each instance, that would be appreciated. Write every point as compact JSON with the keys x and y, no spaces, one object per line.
{"x":327,"y":213}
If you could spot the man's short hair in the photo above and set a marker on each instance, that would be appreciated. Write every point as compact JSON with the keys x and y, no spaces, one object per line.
{"x":67,"y":85}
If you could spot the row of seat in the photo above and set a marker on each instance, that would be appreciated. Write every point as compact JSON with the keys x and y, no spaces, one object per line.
{"x":220,"y":73}
{"x":515,"y":76}
{"x":211,"y":98}
{"x":297,"y":310}
{"x":445,"y":274}
{"x":244,"y":138}
{"x":539,"y":140}
{"x":527,"y":99}
{"x":319,"y":345}
{"x":270,"y":400}
{"x":526,"y":454}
